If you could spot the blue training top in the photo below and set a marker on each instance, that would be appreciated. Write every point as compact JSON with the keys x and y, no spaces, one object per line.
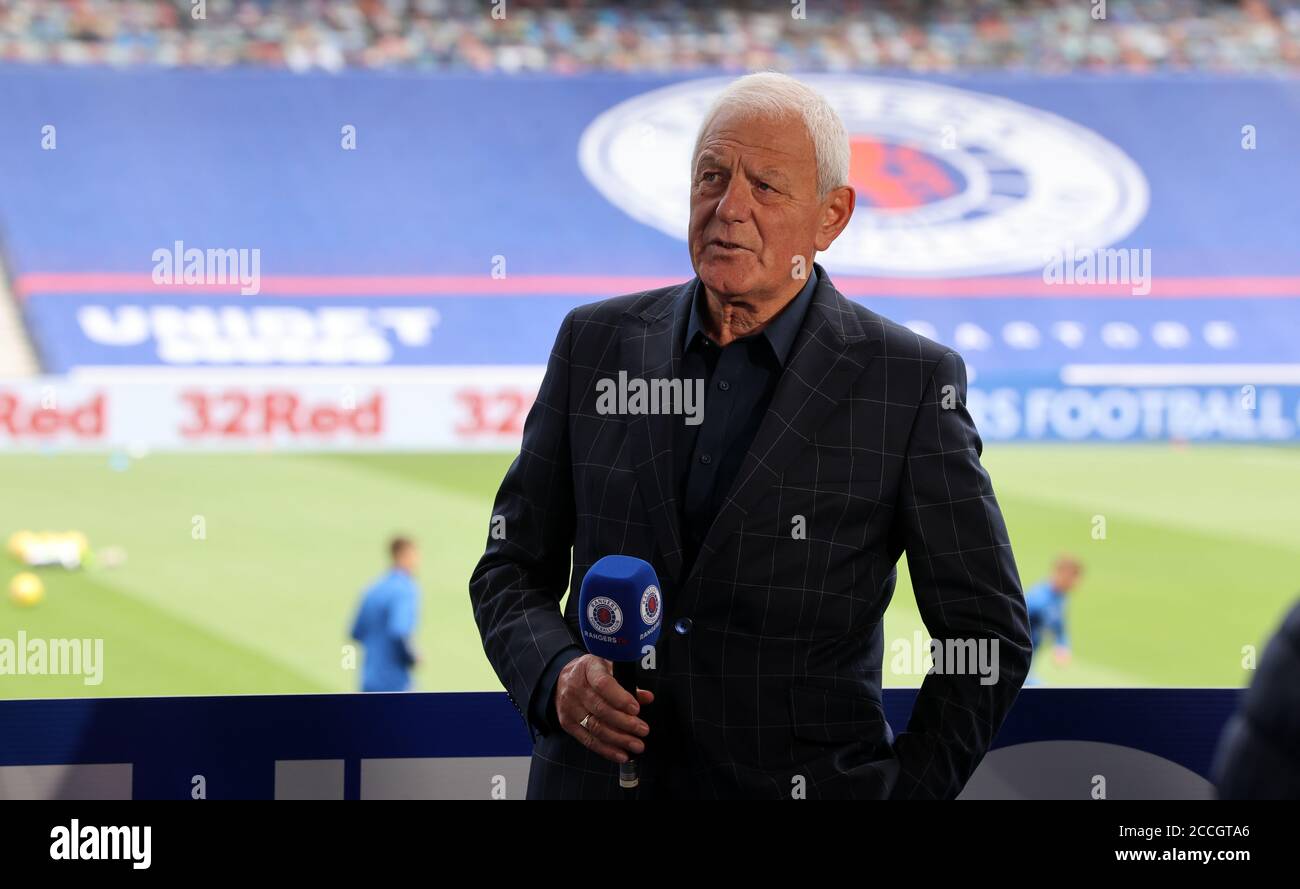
{"x":384,"y":623}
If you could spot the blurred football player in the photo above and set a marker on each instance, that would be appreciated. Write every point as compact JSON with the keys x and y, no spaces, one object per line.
{"x":1045,"y":601}
{"x":385,"y":622}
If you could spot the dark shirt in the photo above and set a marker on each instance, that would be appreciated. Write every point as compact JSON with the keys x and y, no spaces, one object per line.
{"x":739,"y":380}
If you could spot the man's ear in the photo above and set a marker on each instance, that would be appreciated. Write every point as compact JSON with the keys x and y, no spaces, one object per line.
{"x":837,"y":210}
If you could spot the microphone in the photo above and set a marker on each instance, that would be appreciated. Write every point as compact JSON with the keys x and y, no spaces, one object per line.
{"x":620,"y":611}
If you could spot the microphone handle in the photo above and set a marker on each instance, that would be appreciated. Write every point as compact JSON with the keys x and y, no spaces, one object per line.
{"x":629,"y":773}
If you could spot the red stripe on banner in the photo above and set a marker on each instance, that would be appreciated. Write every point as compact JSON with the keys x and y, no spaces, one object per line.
{"x":43,"y":283}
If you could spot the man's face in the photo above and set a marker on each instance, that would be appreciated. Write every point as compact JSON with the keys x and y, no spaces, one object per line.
{"x":409,"y":559}
{"x":755,"y":206}
{"x":1066,"y":578}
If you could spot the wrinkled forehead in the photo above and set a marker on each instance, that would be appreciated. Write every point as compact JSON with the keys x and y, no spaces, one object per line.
{"x":773,"y":140}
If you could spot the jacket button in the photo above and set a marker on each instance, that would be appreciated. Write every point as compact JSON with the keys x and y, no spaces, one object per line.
{"x":683,"y":626}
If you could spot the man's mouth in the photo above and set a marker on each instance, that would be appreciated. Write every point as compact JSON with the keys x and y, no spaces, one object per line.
{"x":726,"y":245}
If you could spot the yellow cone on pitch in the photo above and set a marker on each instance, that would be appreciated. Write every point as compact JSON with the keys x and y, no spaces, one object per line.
{"x":26,"y":589}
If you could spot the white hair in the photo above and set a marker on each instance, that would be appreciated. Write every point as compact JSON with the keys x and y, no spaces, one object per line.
{"x":769,"y":94}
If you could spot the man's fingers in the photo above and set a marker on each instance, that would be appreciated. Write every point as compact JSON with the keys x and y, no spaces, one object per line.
{"x":614,"y":727}
{"x":611,"y":716}
{"x":593,"y":743}
{"x":601,"y":738}
{"x":613,"y":731}
{"x":608,"y":688}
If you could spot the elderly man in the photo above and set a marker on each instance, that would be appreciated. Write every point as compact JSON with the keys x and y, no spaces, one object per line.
{"x":832,"y":440}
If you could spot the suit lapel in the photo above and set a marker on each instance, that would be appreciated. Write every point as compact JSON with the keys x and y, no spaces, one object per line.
{"x":831,"y":351}
{"x":652,"y":349}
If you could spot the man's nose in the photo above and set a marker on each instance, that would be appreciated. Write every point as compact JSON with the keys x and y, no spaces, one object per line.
{"x":735,"y":205}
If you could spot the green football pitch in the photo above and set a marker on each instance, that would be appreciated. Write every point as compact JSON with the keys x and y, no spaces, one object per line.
{"x":1199,"y":559}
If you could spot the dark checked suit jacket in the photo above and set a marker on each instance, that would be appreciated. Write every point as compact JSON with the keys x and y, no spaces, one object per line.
{"x":768,"y":671}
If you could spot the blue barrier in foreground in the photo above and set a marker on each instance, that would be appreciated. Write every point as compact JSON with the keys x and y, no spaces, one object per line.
{"x":267,"y":746}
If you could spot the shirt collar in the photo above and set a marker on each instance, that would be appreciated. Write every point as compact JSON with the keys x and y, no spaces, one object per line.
{"x":780,"y":332}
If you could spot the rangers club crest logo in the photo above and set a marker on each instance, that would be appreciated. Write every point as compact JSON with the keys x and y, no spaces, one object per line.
{"x":950,"y":182}
{"x":650,"y":606}
{"x":604,"y":615}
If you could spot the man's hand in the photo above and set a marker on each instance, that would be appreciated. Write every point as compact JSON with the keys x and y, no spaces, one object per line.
{"x":587,"y":690}
{"x":1062,"y":656}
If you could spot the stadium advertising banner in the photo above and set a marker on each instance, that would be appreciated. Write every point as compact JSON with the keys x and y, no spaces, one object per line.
{"x":485,"y":410}
{"x":993,"y":334}
{"x":1040,"y":227}
{"x":246,"y":415}
{"x":1131,"y":414}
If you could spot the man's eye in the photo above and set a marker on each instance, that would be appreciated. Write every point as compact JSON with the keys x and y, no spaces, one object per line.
{"x":708,"y":177}
{"x":765,"y":187}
